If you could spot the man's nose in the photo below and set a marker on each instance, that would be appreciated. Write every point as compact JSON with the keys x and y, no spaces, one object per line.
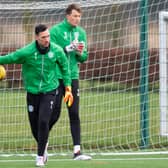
{"x":47,"y":39}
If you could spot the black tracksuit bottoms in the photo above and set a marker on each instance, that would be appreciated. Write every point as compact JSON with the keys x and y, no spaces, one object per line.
{"x":40,"y":107}
{"x":73,"y":111}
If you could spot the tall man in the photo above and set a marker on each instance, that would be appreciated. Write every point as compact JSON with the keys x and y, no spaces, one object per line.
{"x":38,"y":61}
{"x":72,"y":38}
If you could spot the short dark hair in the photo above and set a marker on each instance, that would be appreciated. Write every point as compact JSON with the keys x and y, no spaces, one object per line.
{"x":73,"y":7}
{"x":40,"y":28}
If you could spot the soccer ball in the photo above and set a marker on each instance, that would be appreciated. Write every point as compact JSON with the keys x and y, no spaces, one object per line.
{"x":2,"y":72}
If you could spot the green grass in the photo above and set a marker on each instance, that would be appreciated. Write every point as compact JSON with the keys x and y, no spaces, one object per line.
{"x":138,"y":161}
{"x":110,"y":120}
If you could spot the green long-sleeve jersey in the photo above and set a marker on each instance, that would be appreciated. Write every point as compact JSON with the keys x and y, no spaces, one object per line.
{"x":38,"y":70}
{"x":63,"y":34}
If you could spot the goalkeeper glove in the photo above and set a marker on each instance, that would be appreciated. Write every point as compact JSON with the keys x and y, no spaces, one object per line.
{"x":75,"y":46}
{"x":68,"y":98}
{"x":80,"y":46}
{"x":70,"y":47}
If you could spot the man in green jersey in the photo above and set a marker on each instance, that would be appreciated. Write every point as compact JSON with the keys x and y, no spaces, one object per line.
{"x":39,"y":60}
{"x":72,"y":38}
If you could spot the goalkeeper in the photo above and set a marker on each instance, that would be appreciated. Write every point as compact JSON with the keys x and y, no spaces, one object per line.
{"x":38,"y":61}
{"x":72,"y":38}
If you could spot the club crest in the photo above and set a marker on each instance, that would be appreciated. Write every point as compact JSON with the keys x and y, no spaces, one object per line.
{"x":50,"y":54}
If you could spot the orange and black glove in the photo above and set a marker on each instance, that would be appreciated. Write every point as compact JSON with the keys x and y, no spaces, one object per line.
{"x":68,"y":98}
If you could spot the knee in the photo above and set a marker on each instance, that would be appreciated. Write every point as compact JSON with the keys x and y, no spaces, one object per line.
{"x":43,"y":124}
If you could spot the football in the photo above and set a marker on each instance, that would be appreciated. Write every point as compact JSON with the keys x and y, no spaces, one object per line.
{"x":2,"y":72}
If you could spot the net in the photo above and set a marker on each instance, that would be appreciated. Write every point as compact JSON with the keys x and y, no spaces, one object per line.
{"x":109,"y":80}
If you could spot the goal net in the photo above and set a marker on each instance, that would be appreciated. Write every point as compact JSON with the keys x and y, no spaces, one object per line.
{"x":110,"y":80}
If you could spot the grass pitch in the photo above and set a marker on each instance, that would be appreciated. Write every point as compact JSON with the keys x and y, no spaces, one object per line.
{"x":138,"y":161}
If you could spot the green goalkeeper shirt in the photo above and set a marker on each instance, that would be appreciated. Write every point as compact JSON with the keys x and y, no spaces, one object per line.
{"x":63,"y":34}
{"x":38,"y":70}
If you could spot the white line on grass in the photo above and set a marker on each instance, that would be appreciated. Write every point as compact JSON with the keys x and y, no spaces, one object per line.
{"x":95,"y":154}
{"x":97,"y":159}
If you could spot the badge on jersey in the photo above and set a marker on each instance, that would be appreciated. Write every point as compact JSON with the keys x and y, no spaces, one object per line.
{"x":50,"y":54}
